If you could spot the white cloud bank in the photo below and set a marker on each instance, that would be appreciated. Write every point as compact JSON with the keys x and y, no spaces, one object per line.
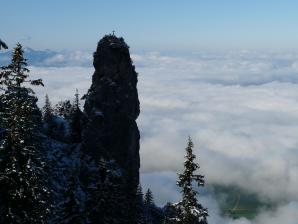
{"x":241,"y":110}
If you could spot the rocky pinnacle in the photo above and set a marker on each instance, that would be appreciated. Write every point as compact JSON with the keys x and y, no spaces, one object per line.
{"x":111,"y":109}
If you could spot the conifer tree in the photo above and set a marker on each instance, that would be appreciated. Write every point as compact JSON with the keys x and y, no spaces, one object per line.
{"x":75,"y":120}
{"x":24,"y":193}
{"x":148,"y":200}
{"x":48,"y":118}
{"x":76,"y":104}
{"x":148,"y":206}
{"x":16,"y":72}
{"x":152,"y":214}
{"x":189,"y":209}
{"x":47,"y":110}
{"x":140,"y":206}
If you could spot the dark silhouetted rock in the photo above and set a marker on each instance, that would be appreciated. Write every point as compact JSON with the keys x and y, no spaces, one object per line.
{"x":111,"y":109}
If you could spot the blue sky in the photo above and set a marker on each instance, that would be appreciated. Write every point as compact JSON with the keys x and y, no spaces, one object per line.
{"x":152,"y":25}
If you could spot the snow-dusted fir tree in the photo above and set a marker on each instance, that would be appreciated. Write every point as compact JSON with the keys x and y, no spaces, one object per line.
{"x":63,"y":109}
{"x":17,"y":72}
{"x":190,"y":211}
{"x":24,"y":195}
{"x":170,"y":213}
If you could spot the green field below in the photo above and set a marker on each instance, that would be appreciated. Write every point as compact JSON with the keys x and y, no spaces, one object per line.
{"x":236,"y":203}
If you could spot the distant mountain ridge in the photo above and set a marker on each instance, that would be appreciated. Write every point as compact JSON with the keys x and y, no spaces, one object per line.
{"x":50,"y":58}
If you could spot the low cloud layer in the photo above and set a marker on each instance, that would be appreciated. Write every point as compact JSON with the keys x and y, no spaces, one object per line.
{"x":163,"y":183}
{"x":226,"y":68}
{"x":241,"y":109}
{"x":244,"y":134}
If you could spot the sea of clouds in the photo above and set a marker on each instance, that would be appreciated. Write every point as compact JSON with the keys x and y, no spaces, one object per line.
{"x":240,"y":108}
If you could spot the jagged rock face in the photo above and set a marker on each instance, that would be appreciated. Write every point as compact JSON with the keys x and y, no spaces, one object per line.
{"x":111,"y":108}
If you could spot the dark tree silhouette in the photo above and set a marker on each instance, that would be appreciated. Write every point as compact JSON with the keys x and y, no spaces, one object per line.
{"x":24,"y":193}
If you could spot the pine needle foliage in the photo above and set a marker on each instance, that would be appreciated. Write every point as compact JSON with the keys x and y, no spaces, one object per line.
{"x":190,"y":211}
{"x":24,"y":195}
